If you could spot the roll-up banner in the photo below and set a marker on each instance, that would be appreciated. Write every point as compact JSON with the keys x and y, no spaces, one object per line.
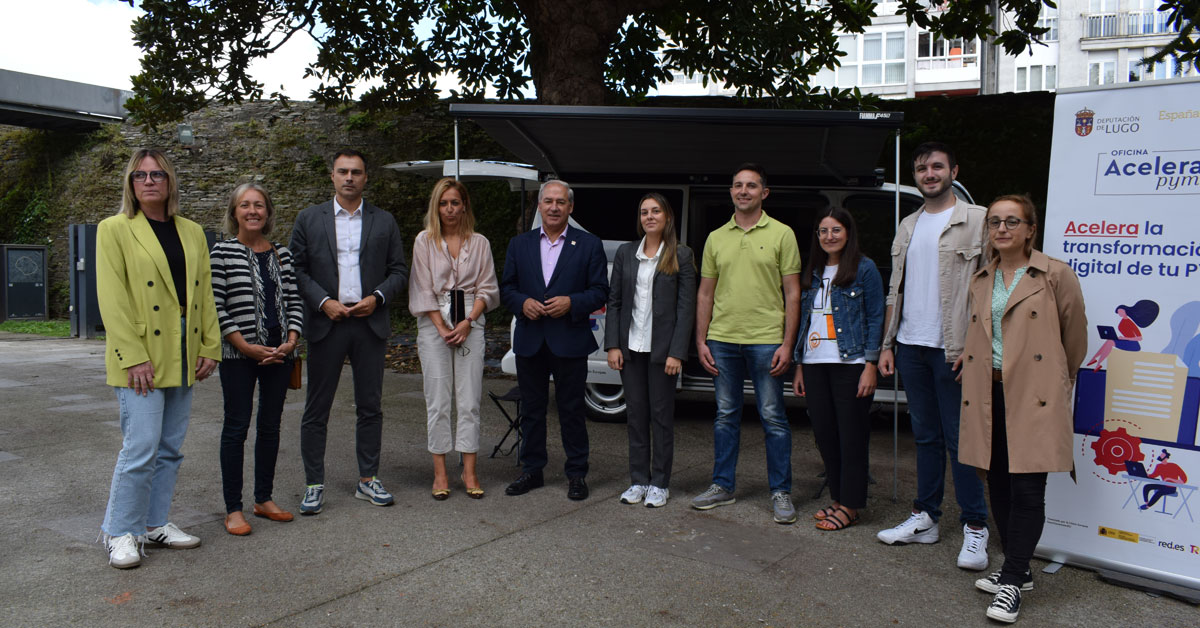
{"x":1123,"y":209}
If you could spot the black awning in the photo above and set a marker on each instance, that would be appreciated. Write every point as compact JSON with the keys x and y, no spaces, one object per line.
{"x":686,"y":145}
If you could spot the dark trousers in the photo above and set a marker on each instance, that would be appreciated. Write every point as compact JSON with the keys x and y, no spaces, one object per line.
{"x":570,"y":375}
{"x":352,"y":337}
{"x":1159,"y":490}
{"x":238,"y":379}
{"x":841,"y":425}
{"x":650,"y":407}
{"x":1018,"y":500}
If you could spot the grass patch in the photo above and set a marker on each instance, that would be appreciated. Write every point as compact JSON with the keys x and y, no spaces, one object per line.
{"x":53,"y":329}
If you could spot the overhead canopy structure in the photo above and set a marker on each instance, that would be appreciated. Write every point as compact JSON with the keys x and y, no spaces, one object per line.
{"x":471,"y":170}
{"x":41,"y":102}
{"x":689,"y":145}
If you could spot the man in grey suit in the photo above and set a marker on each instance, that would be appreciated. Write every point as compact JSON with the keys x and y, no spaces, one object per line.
{"x":350,"y":266}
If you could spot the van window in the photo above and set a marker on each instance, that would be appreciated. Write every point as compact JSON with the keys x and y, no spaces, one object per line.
{"x":874,"y":213}
{"x":611,"y":212}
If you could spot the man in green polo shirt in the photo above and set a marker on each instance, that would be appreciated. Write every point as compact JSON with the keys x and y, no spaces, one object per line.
{"x":747,"y":314}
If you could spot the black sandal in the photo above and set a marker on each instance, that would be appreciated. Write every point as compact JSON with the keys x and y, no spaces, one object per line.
{"x":836,"y":521}
{"x":825,"y":513}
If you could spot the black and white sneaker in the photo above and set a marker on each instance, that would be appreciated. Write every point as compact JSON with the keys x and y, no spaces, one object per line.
{"x":1006,"y":604}
{"x":991,"y":583}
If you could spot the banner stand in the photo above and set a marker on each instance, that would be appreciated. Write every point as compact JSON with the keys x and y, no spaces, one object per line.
{"x":1121,"y":211}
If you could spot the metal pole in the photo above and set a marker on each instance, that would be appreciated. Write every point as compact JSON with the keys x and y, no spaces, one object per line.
{"x":457,"y":163}
{"x":896,"y":375}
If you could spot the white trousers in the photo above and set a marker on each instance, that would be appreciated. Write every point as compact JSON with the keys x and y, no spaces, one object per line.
{"x":453,"y":377}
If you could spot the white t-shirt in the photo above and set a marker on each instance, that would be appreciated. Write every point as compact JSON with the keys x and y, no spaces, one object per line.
{"x":921,"y":318}
{"x":822,"y":347}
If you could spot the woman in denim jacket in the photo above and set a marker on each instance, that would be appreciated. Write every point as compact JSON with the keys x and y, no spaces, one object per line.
{"x":841,"y":328}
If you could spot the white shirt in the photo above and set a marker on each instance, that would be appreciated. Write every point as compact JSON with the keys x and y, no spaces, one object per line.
{"x":822,"y":346}
{"x":921,"y":318}
{"x":643,"y":310}
{"x":348,"y":227}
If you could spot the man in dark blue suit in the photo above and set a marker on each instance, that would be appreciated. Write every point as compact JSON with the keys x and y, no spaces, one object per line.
{"x":554,"y":278}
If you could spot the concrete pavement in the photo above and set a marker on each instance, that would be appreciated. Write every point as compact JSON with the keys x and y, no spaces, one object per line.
{"x":533,"y":560}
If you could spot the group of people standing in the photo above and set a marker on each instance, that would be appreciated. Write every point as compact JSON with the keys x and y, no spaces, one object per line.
{"x":962,"y":304}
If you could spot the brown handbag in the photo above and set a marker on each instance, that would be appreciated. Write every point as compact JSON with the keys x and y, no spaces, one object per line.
{"x":297,"y":374}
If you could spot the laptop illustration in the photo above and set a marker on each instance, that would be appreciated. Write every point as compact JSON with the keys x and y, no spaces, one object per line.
{"x":1136,"y":469}
{"x":1107,"y":332}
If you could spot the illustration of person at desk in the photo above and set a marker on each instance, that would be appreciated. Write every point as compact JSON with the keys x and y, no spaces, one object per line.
{"x":1167,"y":471}
{"x":1128,"y":334}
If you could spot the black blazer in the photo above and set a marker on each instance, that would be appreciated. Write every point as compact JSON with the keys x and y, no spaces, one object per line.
{"x":673,"y":298}
{"x":381,"y":264}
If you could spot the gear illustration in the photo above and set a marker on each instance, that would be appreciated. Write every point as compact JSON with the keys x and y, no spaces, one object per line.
{"x":1114,"y":448}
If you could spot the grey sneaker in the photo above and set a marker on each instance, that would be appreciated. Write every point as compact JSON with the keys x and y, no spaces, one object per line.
{"x":715,"y":496}
{"x":374,"y":492}
{"x":314,"y":497}
{"x":991,"y":583}
{"x":171,"y":536}
{"x":781,"y":503}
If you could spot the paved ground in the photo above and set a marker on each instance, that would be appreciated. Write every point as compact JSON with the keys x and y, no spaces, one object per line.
{"x":533,"y":560}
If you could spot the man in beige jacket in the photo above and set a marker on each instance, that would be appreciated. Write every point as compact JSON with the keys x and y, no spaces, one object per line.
{"x":935,"y":252}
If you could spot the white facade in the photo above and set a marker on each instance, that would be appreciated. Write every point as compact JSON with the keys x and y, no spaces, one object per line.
{"x":1090,"y":42}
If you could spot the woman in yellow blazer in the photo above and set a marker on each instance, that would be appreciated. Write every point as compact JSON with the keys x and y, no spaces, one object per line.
{"x":1026,"y":337}
{"x":155,"y":291}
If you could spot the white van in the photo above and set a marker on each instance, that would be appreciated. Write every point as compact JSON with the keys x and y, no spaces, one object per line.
{"x":612,"y":156}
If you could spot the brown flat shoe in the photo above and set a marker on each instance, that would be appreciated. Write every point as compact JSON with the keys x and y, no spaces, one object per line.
{"x":236,"y":530}
{"x":281,"y":515}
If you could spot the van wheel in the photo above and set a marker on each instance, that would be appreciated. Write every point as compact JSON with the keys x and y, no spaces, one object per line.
{"x":605,"y":402}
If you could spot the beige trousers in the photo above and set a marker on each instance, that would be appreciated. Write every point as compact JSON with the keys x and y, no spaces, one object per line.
{"x":453,"y":377}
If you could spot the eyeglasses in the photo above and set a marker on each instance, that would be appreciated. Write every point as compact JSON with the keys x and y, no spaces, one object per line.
{"x":826,"y":231}
{"x":1012,"y":222}
{"x":158,"y":176}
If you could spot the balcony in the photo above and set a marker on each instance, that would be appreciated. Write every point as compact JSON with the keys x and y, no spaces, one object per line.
{"x":1126,"y":24}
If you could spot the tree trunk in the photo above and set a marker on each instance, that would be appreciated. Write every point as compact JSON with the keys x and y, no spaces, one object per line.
{"x":569,"y":42}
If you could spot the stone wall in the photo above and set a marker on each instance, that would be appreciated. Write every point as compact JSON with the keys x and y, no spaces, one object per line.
{"x":285,"y":148}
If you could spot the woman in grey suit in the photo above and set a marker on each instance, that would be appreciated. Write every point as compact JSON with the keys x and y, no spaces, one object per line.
{"x":647,"y":332}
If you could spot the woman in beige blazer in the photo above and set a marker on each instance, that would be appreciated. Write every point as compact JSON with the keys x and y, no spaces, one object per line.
{"x":1026,"y":337}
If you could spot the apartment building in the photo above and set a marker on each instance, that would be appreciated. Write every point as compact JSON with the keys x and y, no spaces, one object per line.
{"x":1089,"y":42}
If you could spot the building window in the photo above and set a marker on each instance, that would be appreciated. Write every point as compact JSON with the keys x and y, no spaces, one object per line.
{"x":1142,"y":18}
{"x":1049,"y":20}
{"x":1102,"y":72}
{"x":871,"y":59}
{"x":937,"y":53}
{"x":1036,"y":78}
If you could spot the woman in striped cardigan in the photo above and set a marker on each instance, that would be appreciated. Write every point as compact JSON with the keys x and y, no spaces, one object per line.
{"x":261,"y":317}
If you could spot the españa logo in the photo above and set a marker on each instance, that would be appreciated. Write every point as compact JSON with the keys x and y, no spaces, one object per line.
{"x":1084,"y":121}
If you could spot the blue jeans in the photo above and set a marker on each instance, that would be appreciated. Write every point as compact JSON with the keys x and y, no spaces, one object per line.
{"x":734,"y":363}
{"x":933,"y":406}
{"x":143,"y":481}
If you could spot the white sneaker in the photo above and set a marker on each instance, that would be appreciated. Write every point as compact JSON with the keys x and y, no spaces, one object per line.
{"x":918,"y":528}
{"x":122,"y":551}
{"x":171,"y":536}
{"x":973,"y":555}
{"x":634,"y":494}
{"x":657,"y":497}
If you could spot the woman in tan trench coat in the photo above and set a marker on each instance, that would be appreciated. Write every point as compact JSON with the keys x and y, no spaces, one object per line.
{"x":1026,"y":336}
